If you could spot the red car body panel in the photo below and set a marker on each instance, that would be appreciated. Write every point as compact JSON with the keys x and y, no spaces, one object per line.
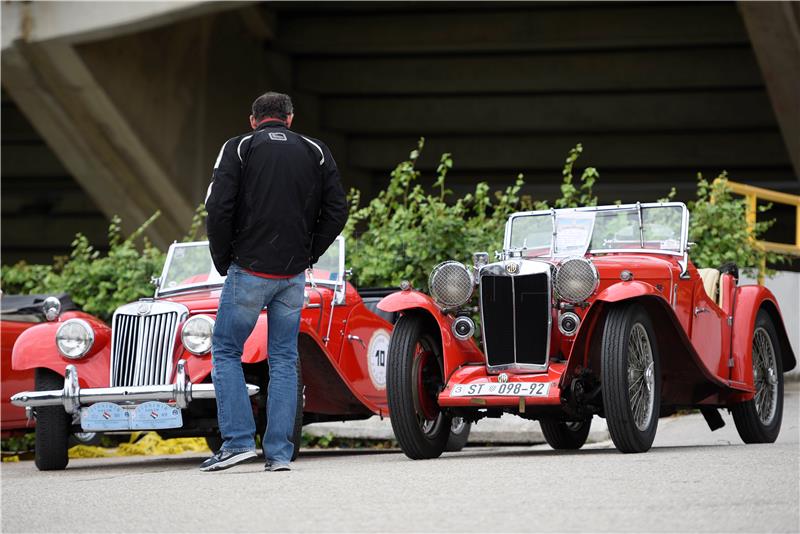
{"x":13,"y":417}
{"x":346,"y":369}
{"x":456,"y":352}
{"x":696,"y":343}
{"x":36,"y":347}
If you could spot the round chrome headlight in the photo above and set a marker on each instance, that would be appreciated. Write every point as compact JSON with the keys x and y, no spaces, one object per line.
{"x":450,"y":284}
{"x":196,"y":334}
{"x":74,"y":338}
{"x":576,"y":279}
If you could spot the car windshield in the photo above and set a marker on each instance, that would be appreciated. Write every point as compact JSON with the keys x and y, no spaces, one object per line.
{"x":572,"y":232}
{"x":189,"y":266}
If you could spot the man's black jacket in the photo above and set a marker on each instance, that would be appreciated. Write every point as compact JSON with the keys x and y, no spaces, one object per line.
{"x":275,"y":203}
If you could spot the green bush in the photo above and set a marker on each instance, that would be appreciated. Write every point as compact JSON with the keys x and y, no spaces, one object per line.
{"x":399,"y":235}
{"x":404,"y":231}
{"x":718,"y":227}
{"x":98,"y":284}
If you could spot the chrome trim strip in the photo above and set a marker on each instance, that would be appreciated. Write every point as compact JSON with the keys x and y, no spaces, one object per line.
{"x":72,"y":396}
{"x":150,"y":338}
{"x":527,"y":267}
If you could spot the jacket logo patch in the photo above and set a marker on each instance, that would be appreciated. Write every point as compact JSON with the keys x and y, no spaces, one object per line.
{"x":277,"y":136}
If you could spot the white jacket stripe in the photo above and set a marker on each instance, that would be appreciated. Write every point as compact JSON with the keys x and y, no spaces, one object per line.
{"x":321,"y":161}
{"x":239,"y":148}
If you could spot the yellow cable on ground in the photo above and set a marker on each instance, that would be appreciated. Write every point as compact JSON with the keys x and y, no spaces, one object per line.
{"x":148,"y":445}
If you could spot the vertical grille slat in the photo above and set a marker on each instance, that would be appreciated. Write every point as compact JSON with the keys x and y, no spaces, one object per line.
{"x":515,"y":311}
{"x":147,"y":348}
{"x":159,"y":348}
{"x":142,"y":347}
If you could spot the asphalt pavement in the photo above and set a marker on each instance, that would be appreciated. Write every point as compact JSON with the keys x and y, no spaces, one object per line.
{"x":692,"y":480}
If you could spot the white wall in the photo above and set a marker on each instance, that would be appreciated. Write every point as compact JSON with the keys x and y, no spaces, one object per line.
{"x":786,"y":287}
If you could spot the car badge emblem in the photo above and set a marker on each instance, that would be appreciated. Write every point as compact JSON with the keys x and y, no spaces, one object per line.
{"x":512,"y":268}
{"x":502,"y":378}
{"x":143,"y":308}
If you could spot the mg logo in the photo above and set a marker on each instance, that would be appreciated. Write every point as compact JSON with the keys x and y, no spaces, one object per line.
{"x":512,"y":268}
{"x":143,"y":308}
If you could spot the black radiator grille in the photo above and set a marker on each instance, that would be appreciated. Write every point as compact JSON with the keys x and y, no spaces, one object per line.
{"x":521,"y":301}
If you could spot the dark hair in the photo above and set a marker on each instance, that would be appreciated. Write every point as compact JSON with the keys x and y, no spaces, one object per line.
{"x":275,"y":105}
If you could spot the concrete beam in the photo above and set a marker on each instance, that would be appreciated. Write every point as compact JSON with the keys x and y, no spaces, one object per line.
{"x":76,"y":22}
{"x":60,"y":96}
{"x":774,"y":29}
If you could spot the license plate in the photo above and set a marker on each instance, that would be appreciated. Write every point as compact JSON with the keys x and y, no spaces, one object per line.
{"x":509,"y":389}
{"x":151,"y":415}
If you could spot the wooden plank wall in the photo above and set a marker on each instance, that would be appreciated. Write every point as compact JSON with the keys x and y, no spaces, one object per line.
{"x":43,"y":207}
{"x":655,"y":92}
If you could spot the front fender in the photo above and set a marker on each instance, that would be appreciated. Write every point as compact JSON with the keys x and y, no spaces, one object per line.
{"x":749,"y":300}
{"x":36,"y":347}
{"x":456,"y":352}
{"x":627,"y":290}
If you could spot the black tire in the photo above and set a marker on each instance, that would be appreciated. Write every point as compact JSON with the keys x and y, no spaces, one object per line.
{"x":413,"y":379}
{"x":562,"y":435}
{"x":214,"y":442}
{"x":746,"y":415}
{"x":459,"y":435}
{"x":52,"y":426}
{"x":628,"y":434}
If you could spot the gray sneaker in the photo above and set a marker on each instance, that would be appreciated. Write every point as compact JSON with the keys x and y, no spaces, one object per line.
{"x":277,"y":467}
{"x":224,"y":459}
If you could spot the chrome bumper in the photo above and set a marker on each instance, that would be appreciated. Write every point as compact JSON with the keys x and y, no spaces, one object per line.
{"x":72,"y":397}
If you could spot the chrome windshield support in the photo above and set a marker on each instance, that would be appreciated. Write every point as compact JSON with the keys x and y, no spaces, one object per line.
{"x":641,"y":225}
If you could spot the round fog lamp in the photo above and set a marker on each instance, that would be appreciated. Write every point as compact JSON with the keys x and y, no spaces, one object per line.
{"x":463,"y":328}
{"x":74,"y":338}
{"x":451,"y":284}
{"x":196,"y":334}
{"x":568,"y":323}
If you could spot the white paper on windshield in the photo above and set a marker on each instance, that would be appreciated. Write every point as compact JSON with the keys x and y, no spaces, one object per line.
{"x":573,"y":233}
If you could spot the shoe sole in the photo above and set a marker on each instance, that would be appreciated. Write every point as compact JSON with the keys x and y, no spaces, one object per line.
{"x":279,"y":468}
{"x":230,"y":462}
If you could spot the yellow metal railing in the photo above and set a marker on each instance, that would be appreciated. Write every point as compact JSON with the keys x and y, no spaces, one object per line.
{"x":752,"y":195}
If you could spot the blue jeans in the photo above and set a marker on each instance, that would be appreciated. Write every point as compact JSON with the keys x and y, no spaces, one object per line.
{"x":243,"y":297}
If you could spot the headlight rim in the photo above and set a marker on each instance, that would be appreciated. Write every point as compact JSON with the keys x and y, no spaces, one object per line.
{"x":596,"y":283}
{"x":201,"y":317}
{"x":85,"y":324}
{"x":437,"y":298}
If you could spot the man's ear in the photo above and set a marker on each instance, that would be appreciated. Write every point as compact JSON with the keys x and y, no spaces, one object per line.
{"x":289,"y":120}
{"x":253,"y":123}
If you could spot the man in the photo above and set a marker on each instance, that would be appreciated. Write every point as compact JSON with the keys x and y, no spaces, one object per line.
{"x":274,"y":206}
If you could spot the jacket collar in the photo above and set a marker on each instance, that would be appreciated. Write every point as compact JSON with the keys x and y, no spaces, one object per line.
{"x":271,"y":123}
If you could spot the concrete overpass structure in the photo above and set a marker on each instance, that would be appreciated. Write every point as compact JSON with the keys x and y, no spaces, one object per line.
{"x":120,"y":107}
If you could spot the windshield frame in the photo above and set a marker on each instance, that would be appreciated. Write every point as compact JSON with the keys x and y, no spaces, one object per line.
{"x":613,"y":207}
{"x":164,"y":291}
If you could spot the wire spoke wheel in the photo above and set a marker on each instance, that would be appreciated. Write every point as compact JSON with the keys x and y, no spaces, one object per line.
{"x":758,"y":420}
{"x":764,"y":376}
{"x":640,"y":376}
{"x":630,"y":377}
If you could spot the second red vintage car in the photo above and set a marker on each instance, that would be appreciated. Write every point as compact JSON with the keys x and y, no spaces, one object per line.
{"x":589,"y":311}
{"x":151,"y":369}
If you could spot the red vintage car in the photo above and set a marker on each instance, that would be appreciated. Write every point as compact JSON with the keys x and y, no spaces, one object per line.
{"x":151,"y":368}
{"x":589,"y":311}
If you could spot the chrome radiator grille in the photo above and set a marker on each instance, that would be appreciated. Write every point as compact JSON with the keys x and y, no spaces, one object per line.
{"x":142,"y":346}
{"x":515,"y":314}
